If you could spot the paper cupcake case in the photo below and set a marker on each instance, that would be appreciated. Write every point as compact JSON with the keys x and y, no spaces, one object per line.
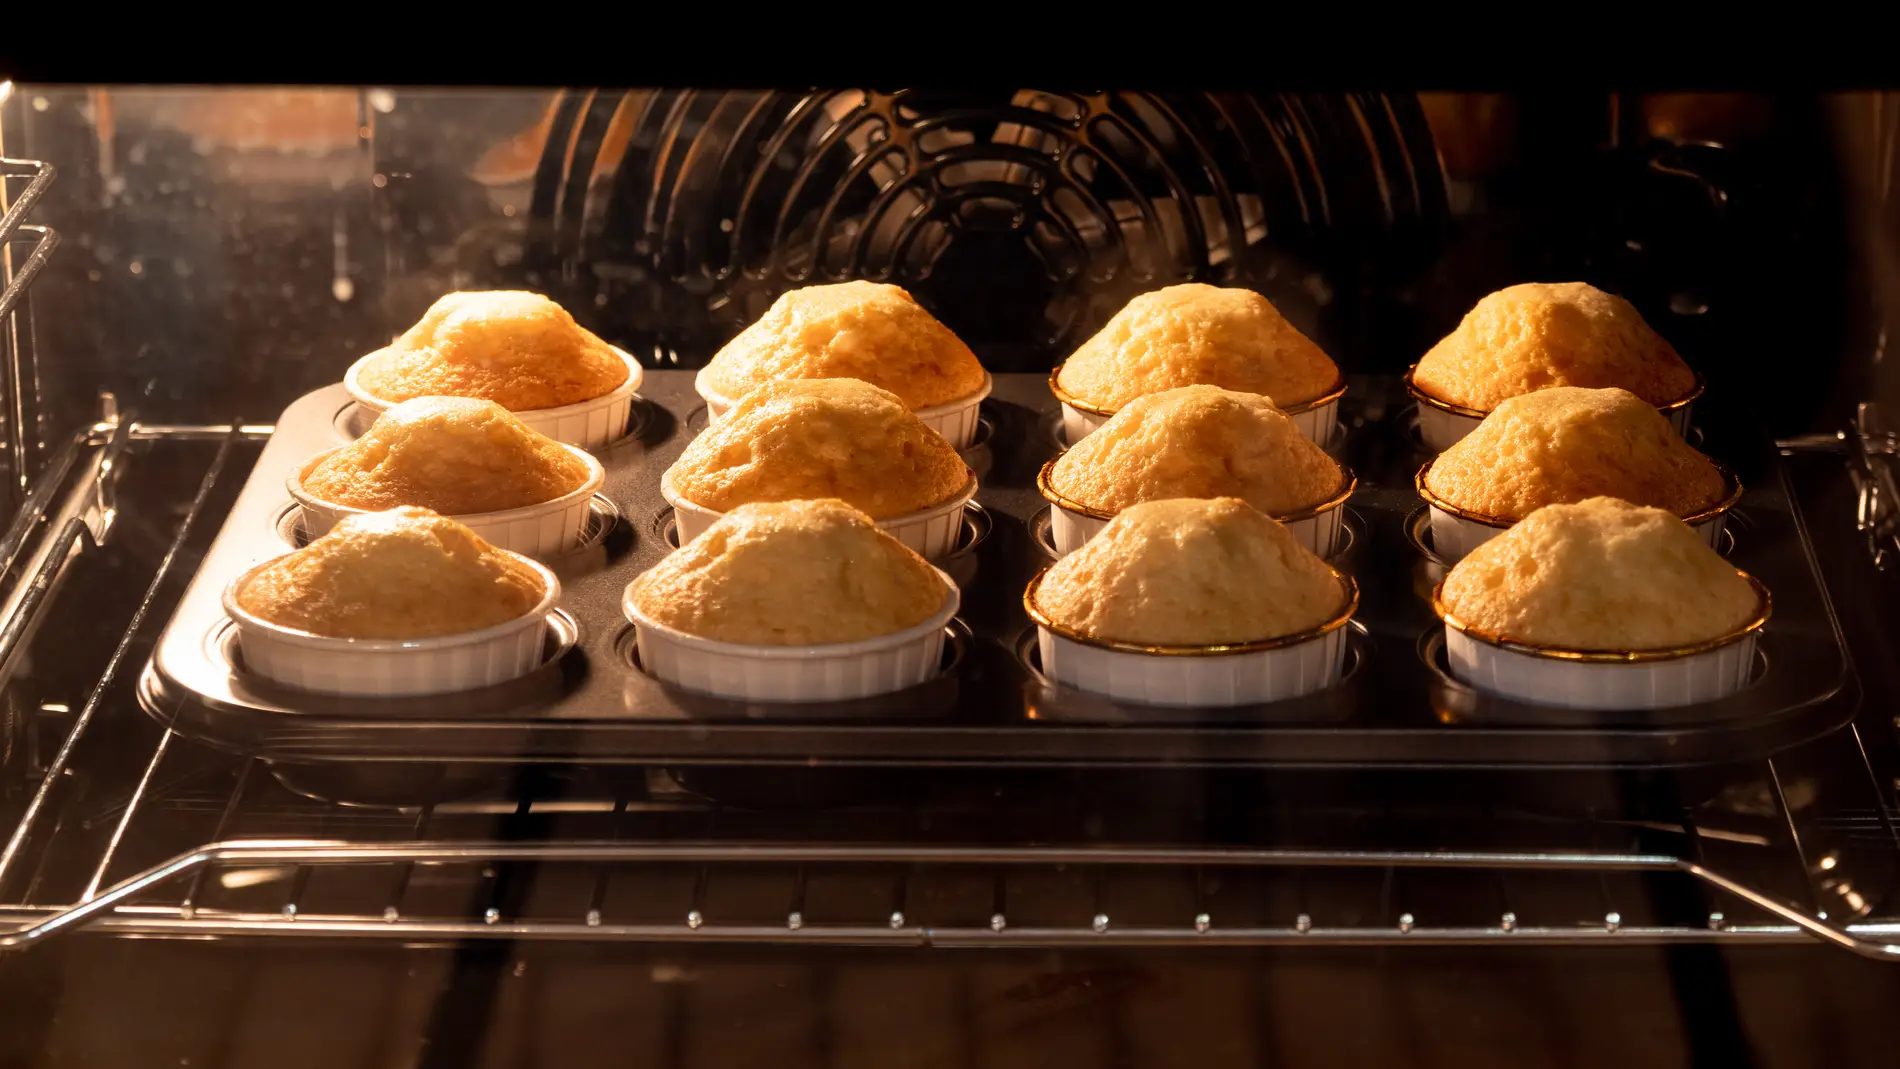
{"x":1318,"y":419}
{"x":1442,"y":424}
{"x":834,"y":672}
{"x":544,"y":530}
{"x":393,"y":667}
{"x":956,"y":420}
{"x":1456,"y":532}
{"x":933,"y":532}
{"x":1072,"y":524}
{"x":1595,"y":679}
{"x":1246,"y":674}
{"x":588,"y":424}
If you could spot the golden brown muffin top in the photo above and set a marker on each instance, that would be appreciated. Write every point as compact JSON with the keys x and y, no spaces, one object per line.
{"x":403,"y":573}
{"x":1566,"y":444}
{"x":1532,"y":336}
{"x":815,"y":438}
{"x":1191,"y":573}
{"x":791,"y":573}
{"x":1198,"y":441}
{"x":1600,"y":574}
{"x":517,"y":349}
{"x":1195,"y":334}
{"x":851,"y":330}
{"x":455,"y":455}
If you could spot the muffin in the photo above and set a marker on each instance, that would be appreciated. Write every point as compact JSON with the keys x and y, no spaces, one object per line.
{"x":1563,"y":445}
{"x":820,"y":438}
{"x":1539,"y":335}
{"x":520,"y":350}
{"x":790,"y":601}
{"x":854,"y":330}
{"x":1196,"y":334}
{"x":1601,"y":603}
{"x":1192,"y":602}
{"x":403,"y":601}
{"x":1197,"y":442}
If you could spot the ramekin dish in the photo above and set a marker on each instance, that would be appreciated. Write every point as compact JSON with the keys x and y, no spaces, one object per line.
{"x":542,"y":530}
{"x":955,"y":420}
{"x":1603,"y":679}
{"x":833,"y":672}
{"x":1072,"y":524}
{"x":1316,"y":418}
{"x":933,"y":532}
{"x":1456,"y":531}
{"x":1243,"y":673}
{"x":1441,"y":424}
{"x":392,"y":667}
{"x":589,"y":424}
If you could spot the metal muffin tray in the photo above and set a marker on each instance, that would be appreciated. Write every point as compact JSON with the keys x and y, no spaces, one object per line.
{"x":1397,"y":706}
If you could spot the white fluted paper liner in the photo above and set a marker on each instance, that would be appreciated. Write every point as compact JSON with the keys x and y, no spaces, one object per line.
{"x":589,"y":424}
{"x":1442,"y":425}
{"x":1319,"y":423}
{"x":544,"y":530}
{"x":394,"y":667}
{"x":955,"y":420}
{"x":1070,"y":530}
{"x":932,"y":532}
{"x":1527,"y":677}
{"x":835,"y":672}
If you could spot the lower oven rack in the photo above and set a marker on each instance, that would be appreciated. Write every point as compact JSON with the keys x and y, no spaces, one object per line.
{"x":188,"y":841}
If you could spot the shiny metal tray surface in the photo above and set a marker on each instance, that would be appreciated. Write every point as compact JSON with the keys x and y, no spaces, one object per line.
{"x":591,"y":703}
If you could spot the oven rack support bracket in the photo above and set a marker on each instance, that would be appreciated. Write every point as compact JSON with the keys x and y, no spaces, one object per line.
{"x":1872,"y":450}
{"x":115,"y":909}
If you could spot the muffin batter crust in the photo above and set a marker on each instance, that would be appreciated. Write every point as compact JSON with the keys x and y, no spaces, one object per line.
{"x":517,"y":349}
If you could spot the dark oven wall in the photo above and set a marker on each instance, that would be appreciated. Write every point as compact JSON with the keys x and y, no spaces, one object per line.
{"x":229,"y":250}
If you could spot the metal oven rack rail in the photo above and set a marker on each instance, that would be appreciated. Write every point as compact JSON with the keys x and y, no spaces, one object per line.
{"x":243,"y":854}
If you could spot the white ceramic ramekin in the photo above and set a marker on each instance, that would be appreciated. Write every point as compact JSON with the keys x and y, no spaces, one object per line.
{"x":1316,"y":419}
{"x":1071,"y":523}
{"x":1456,"y":532}
{"x":393,"y":667}
{"x":1442,"y":423}
{"x":835,"y":672}
{"x":1240,"y":674}
{"x":955,"y":420}
{"x":932,"y":532}
{"x":1603,"y":679}
{"x":543,"y":530}
{"x":589,"y":424}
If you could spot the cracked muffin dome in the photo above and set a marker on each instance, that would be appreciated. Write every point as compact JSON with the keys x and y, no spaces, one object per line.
{"x":1537,"y":335}
{"x":818,"y":438}
{"x":455,"y":455}
{"x":1566,"y":444}
{"x":1191,"y":573}
{"x":403,"y":573}
{"x":1197,"y":441}
{"x":791,"y":573}
{"x":1195,"y":334}
{"x":517,"y":349}
{"x":1600,"y":574}
{"x":852,"y":330}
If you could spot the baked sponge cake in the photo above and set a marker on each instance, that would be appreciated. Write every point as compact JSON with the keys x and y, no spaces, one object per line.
{"x":1198,"y":441}
{"x":1195,"y":334}
{"x":517,"y":349}
{"x":1191,"y":573}
{"x":454,"y":455}
{"x":1566,"y":444}
{"x":820,"y":438}
{"x":852,"y":330}
{"x":403,"y":573}
{"x":1600,"y":574}
{"x":1537,"y":335}
{"x":791,"y":573}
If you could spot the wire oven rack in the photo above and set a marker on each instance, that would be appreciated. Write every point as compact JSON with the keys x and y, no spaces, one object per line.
{"x":131,"y":828}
